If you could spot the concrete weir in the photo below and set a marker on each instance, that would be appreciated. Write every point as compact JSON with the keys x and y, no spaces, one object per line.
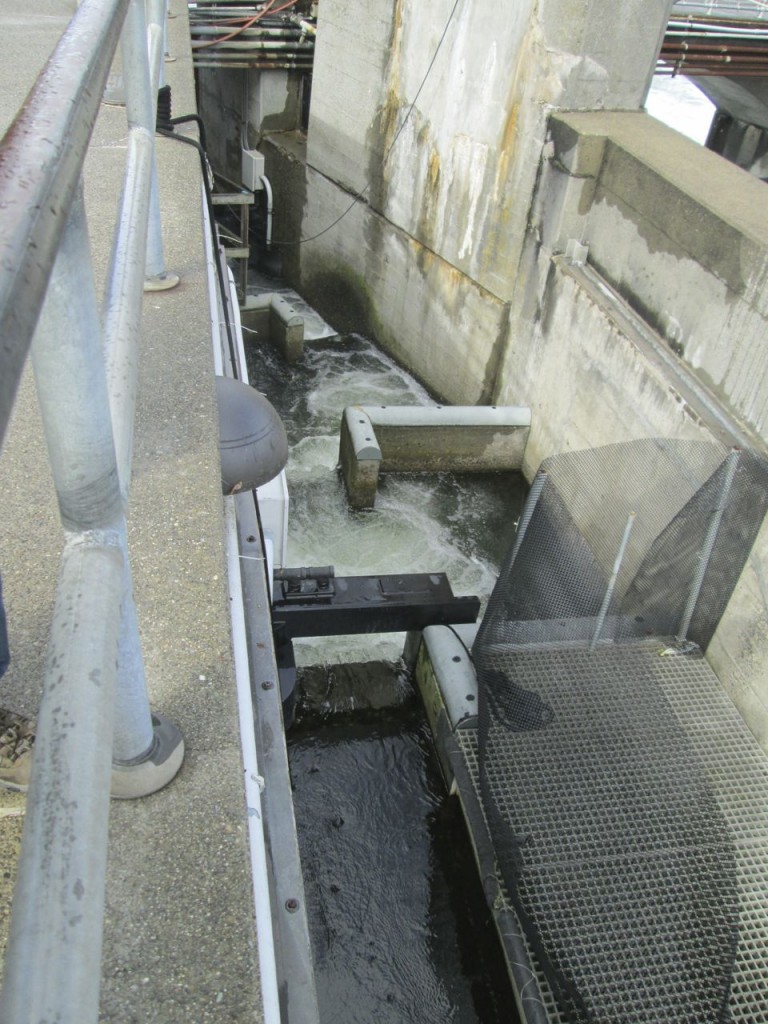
{"x":412,"y":439}
{"x":271,"y":316}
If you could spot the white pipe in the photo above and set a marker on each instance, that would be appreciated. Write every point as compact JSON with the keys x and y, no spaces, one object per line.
{"x":268,"y":189}
{"x":447,"y":415}
{"x":254,"y":783}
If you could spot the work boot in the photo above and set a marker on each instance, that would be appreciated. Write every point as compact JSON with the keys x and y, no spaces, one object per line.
{"x":17,"y":737}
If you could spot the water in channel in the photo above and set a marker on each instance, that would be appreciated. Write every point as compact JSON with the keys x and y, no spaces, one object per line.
{"x":400,"y":930}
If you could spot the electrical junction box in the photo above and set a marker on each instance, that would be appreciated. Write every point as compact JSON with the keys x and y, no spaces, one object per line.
{"x":252,"y":169}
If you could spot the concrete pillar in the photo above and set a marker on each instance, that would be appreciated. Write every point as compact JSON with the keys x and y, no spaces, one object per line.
{"x":446,"y":160}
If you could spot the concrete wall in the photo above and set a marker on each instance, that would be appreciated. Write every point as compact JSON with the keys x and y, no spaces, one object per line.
{"x":457,"y":177}
{"x":679,"y":232}
{"x":441,"y":224}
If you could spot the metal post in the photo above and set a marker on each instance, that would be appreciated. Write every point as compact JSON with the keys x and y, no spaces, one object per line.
{"x":705,"y":554}
{"x":612,"y":581}
{"x":72,"y":388}
{"x":141,"y":111}
{"x":53,"y":960}
{"x":71,"y":385}
{"x":123,"y":299}
{"x":528,"y":509}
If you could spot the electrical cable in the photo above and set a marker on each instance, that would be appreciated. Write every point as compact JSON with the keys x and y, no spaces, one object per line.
{"x":399,"y":131}
{"x":467,"y":649}
{"x":170,"y":134}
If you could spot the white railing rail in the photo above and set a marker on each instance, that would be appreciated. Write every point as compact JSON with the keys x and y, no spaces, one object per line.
{"x":95,"y":732}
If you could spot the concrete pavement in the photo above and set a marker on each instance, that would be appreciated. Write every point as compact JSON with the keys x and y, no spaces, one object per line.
{"x":179,"y":941}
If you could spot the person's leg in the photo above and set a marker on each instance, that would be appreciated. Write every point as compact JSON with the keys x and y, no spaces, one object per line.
{"x":16,"y":734}
{"x":5,"y":655}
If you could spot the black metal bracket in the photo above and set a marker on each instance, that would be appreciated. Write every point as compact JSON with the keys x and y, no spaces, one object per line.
{"x":318,"y":603}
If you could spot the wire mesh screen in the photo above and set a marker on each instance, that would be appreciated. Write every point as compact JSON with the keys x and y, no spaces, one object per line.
{"x":614,"y":851}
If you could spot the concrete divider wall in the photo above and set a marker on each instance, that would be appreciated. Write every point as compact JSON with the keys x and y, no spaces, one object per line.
{"x":408,"y":439}
{"x":683,"y":236}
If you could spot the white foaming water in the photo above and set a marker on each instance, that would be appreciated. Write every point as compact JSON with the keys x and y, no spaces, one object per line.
{"x":433,"y":523}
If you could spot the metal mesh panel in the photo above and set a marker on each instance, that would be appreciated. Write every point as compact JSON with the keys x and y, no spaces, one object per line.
{"x":616,"y":853}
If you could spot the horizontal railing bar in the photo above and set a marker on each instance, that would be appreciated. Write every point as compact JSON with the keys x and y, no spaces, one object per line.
{"x":59,"y":898}
{"x":41,"y":157}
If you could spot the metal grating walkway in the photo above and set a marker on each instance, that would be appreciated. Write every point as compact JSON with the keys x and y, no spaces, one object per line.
{"x":641,"y":814}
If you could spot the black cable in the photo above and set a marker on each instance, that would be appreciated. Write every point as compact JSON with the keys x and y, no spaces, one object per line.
{"x":170,"y":134}
{"x":456,"y":634}
{"x":185,"y":119}
{"x":407,"y":117}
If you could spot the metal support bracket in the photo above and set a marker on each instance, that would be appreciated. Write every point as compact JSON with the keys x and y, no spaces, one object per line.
{"x":328,"y":605}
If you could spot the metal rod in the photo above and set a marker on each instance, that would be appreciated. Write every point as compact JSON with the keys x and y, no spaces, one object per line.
{"x":705,"y":554}
{"x":612,"y":581}
{"x":46,"y":145}
{"x":528,"y":509}
{"x":123,"y":298}
{"x":71,"y":387}
{"x":74,"y":400}
{"x":53,"y":960}
{"x":140,"y":108}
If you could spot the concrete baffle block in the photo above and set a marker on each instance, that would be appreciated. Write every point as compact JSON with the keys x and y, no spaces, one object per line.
{"x":273,"y":319}
{"x":427,"y":439}
{"x":359,"y":457}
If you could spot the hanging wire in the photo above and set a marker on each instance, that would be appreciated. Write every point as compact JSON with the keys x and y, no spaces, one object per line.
{"x":398,"y":133}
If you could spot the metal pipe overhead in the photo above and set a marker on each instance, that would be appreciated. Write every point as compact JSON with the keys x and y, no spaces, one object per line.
{"x":714,"y":46}
{"x":243,"y":37}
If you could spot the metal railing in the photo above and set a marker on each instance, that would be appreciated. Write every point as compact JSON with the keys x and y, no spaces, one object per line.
{"x":95,"y":732}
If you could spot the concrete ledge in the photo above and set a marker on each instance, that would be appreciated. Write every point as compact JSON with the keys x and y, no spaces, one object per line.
{"x":680,"y":233}
{"x":467,"y":439}
{"x":276,"y":321}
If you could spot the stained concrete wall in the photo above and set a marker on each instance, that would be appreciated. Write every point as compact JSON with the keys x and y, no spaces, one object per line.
{"x":681,"y":233}
{"x":430,"y":251}
{"x":458,"y":175}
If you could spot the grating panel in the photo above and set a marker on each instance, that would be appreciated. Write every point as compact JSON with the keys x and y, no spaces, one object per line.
{"x":639,"y":824}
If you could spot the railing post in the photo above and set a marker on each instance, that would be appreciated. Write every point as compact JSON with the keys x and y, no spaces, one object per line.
{"x":53,"y":959}
{"x":71,"y":381}
{"x":141,"y":108}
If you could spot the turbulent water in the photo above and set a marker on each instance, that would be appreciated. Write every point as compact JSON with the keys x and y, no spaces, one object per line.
{"x":457,"y":524}
{"x":400,"y":930}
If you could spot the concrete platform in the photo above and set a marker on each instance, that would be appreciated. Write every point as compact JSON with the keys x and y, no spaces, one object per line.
{"x":180,"y":941}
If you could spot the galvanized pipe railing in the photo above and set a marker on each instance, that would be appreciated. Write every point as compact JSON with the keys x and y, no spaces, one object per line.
{"x":95,"y":732}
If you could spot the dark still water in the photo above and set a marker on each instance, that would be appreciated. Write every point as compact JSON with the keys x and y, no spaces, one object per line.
{"x":400,"y":929}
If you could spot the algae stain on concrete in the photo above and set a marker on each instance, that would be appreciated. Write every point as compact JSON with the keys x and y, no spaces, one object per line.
{"x":383,"y":128}
{"x":344,"y":298}
{"x":428,"y":220}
